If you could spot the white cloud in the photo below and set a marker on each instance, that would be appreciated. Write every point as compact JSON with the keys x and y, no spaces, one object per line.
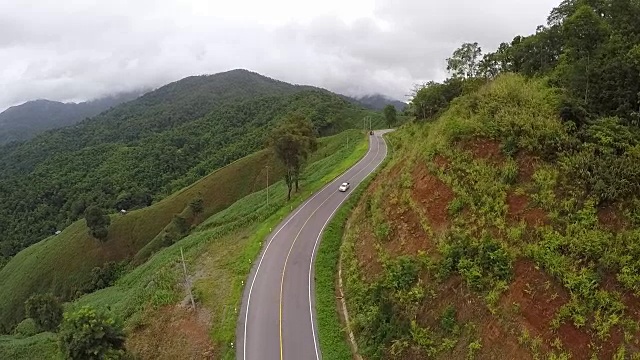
{"x":79,"y":49}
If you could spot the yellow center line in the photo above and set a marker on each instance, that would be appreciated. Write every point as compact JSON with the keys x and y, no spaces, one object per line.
{"x":286,"y":260}
{"x":285,"y":265}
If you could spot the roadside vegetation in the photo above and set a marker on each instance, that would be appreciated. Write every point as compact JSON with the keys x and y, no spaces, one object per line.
{"x":505,"y":225}
{"x":151,"y":300}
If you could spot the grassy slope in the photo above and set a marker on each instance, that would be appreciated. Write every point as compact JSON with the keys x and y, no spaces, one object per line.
{"x":128,"y":234}
{"x":40,"y":346}
{"x":220,"y":250}
{"x":492,"y":252}
{"x":41,"y":267}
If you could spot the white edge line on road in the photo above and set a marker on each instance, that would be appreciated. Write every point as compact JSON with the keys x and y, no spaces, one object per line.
{"x":313,"y":330}
{"x":298,"y":235}
{"x":246,"y":318}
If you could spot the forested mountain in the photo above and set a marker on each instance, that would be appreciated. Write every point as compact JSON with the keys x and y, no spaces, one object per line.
{"x":145,"y":149}
{"x":23,"y":122}
{"x":376,"y":102}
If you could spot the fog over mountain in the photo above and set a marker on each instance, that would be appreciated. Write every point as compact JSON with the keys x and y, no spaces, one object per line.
{"x":79,"y":50}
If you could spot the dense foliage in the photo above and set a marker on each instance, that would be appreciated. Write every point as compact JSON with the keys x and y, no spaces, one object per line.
{"x":97,"y":222}
{"x":22,"y":122}
{"x":292,"y":142}
{"x":148,"y":148}
{"x":88,"y":334}
{"x":589,"y":51}
{"x":45,"y":310}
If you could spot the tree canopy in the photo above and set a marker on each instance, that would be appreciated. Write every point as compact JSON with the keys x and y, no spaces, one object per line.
{"x":97,"y":222}
{"x":45,"y":310}
{"x":292,"y":141}
{"x":390,"y":115}
{"x":88,"y":334}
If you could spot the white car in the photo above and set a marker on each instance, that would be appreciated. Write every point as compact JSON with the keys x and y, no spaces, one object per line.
{"x":344,"y":187}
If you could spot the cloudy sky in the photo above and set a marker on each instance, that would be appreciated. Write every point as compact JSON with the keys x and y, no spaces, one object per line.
{"x":75,"y":50}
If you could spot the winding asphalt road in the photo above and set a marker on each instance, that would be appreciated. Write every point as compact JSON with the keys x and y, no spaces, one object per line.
{"x":277,"y":319}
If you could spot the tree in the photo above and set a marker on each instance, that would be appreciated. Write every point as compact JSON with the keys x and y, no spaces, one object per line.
{"x":45,"y":310}
{"x":97,"y":222}
{"x":584,"y":32}
{"x":87,"y":334}
{"x":390,"y":114}
{"x":434,"y":97}
{"x":464,"y":62}
{"x":292,"y":141}
{"x":489,"y":66}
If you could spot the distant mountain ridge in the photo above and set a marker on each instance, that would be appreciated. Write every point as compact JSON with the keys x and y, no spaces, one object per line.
{"x":151,"y":146}
{"x":376,"y":102}
{"x":22,"y":122}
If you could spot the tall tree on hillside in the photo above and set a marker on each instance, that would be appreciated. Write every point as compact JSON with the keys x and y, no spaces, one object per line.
{"x":464,"y":61}
{"x":489,"y":66}
{"x":292,"y":141}
{"x":584,"y":32}
{"x":97,"y":222}
{"x":390,"y":114}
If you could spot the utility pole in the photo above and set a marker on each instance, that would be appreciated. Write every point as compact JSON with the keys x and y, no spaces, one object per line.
{"x":186,"y":280}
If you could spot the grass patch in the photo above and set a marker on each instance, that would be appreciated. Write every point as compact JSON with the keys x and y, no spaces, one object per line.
{"x":40,"y":346}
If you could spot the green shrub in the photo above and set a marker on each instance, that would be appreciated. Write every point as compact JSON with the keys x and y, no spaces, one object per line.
{"x":87,"y":334}
{"x":401,"y":273}
{"x":45,"y":310}
{"x":481,"y":263}
{"x":102,"y":277}
{"x":197,"y":205}
{"x":510,"y":172}
{"x":382,"y":231}
{"x":456,"y":206}
{"x":27,"y":328}
{"x":448,"y":320}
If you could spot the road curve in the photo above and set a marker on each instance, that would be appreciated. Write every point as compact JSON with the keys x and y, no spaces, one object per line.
{"x":277,"y":319}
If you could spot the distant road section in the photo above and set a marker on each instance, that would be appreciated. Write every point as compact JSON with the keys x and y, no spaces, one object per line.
{"x":277,"y":319}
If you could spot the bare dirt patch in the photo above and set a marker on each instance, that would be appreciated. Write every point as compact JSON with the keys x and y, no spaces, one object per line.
{"x":485,"y":149}
{"x":611,"y":218}
{"x":527,"y":165}
{"x":497,"y":341}
{"x":407,"y":235}
{"x":538,"y":297}
{"x":173,"y":332}
{"x":433,"y":196}
{"x":519,"y":210}
{"x":364,"y":239}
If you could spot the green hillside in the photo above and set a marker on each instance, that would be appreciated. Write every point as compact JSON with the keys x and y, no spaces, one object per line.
{"x":482,"y":238}
{"x":219,"y":253}
{"x":144,"y":150}
{"x":507,"y":221}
